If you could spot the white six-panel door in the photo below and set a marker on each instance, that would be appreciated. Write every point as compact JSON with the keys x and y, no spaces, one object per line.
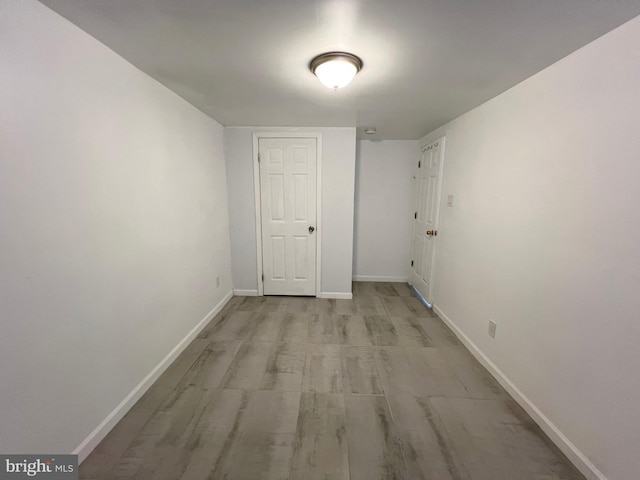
{"x":428,"y":186}
{"x":288,"y":215}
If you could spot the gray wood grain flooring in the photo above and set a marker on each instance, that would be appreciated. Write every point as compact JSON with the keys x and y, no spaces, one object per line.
{"x":305,"y":388}
{"x":359,"y":371}
{"x":321,"y":446}
{"x":285,"y":367}
{"x":322,"y":370}
{"x":375,"y":450}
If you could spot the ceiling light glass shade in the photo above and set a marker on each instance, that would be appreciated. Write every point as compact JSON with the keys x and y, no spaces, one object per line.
{"x":335,"y":69}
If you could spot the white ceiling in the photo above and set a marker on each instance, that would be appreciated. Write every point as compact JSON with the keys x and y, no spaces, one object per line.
{"x":245,"y":62}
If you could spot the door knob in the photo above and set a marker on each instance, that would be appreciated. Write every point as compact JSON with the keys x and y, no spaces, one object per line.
{"x":432,"y":233}
{"x":311,"y":229}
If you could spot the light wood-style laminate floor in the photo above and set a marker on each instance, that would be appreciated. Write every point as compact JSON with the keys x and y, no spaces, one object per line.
{"x":299,"y":388}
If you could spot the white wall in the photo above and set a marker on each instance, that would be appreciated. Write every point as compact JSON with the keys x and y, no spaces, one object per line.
{"x":113,"y":227}
{"x":383,"y":209}
{"x":338,"y":170}
{"x":544,"y":238}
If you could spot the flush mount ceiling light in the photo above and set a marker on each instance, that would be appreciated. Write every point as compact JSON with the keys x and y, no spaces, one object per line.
{"x":335,"y":69}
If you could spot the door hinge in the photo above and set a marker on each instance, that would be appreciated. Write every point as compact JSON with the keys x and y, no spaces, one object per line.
{"x":419,"y":163}
{"x":415,"y":215}
{"x":263,"y":277}
{"x":258,"y":158}
{"x":412,"y":263}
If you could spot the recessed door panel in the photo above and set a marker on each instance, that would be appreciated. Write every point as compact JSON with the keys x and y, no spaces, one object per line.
{"x":275,"y":156}
{"x":301,"y":265}
{"x":301,"y":197}
{"x":422,"y":198}
{"x":300,"y":155}
{"x":419,"y":250}
{"x":276,"y":197}
{"x":278,"y":258}
{"x":425,"y":267}
{"x":430,"y":204}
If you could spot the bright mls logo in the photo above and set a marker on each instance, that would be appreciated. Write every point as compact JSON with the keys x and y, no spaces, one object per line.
{"x":51,"y":467}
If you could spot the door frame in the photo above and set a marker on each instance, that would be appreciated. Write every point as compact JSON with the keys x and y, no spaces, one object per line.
{"x":421,"y":148}
{"x":258,"y":206}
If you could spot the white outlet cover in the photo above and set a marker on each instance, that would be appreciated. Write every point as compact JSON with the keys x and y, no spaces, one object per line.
{"x":492,"y":328}
{"x":449,"y":200}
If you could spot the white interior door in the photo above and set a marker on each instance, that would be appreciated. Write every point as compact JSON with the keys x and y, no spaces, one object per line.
{"x":425,"y":231}
{"x":288,"y":215}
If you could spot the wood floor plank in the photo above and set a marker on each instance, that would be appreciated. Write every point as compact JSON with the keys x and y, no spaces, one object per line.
{"x":212,"y":364}
{"x":534,"y":451}
{"x":248,"y":366}
{"x":299,"y":304}
{"x":369,"y":305}
{"x":375,"y":450}
{"x":217,"y":322}
{"x":285,"y":368}
{"x":320,"y":451}
{"x":416,"y":307}
{"x":364,"y":288}
{"x":432,"y":370}
{"x":410,"y":332}
{"x":351,"y":330}
{"x":418,"y":371}
{"x":396,"y":306}
{"x":278,"y":304}
{"x":385,"y":289}
{"x":495,"y":445}
{"x":325,"y":306}
{"x":381,"y":330}
{"x":265,"y":327}
{"x":428,"y":450}
{"x":274,"y":304}
{"x":338,"y":330}
{"x":322,"y":370}
{"x":322,"y":329}
{"x":294,"y":328}
{"x":188,"y":421}
{"x":438,"y":332}
{"x":396,"y":371}
{"x":359,"y":371}
{"x":251,"y":304}
{"x":345,"y":307}
{"x":172,"y":375}
{"x":262,"y":445}
{"x":232,"y":325}
{"x":403,"y":289}
{"x":211,"y":440}
{"x":475,"y":378}
{"x":232,"y":304}
{"x":107,"y":454}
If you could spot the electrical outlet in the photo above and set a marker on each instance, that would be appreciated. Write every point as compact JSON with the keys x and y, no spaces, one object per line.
{"x":449,"y":200}
{"x":217,"y":281}
{"x":492,"y":328}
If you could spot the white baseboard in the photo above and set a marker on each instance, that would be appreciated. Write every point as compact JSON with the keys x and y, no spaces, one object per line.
{"x":368,"y":278}
{"x":245,"y":293}
{"x":254,"y":293}
{"x":338,"y":295}
{"x":88,"y":444}
{"x":572,"y":452}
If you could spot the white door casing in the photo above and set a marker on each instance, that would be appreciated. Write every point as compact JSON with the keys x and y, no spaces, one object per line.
{"x":427,"y":212}
{"x":288,"y":211}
